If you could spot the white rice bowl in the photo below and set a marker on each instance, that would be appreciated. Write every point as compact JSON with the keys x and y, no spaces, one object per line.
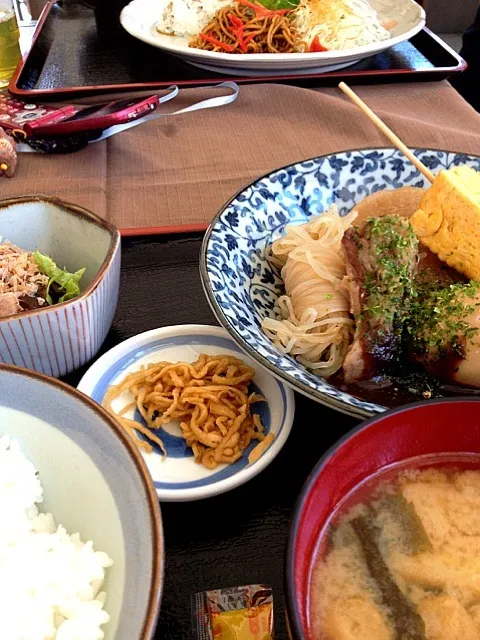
{"x":50,"y":581}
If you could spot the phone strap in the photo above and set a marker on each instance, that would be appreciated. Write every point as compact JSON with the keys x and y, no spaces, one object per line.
{"x":74,"y":142}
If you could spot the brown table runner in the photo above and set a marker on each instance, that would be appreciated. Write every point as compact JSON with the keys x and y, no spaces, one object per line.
{"x":177,"y":172}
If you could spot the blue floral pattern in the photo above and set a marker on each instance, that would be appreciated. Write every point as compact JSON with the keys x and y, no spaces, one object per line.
{"x":242,"y":286}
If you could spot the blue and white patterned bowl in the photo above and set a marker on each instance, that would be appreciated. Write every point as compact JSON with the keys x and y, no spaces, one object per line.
{"x":240,"y":284}
{"x":178,"y":477}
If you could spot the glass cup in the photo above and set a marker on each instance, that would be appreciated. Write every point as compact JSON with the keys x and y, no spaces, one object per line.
{"x":9,"y":41}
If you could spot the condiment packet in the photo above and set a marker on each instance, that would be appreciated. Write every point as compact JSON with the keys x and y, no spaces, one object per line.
{"x":236,"y":613}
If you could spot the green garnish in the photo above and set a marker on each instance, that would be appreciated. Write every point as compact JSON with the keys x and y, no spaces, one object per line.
{"x":437,"y":318}
{"x":280,"y":5}
{"x":391,"y":282}
{"x":431,"y":318}
{"x":64,"y":282}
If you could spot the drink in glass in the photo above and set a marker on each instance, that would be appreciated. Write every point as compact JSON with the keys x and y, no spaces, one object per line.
{"x":9,"y":41}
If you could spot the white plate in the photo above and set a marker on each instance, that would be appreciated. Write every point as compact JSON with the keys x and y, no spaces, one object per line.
{"x":178,"y":477}
{"x":140,"y":17}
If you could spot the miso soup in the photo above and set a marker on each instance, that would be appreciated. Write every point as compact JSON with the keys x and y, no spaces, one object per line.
{"x":401,"y":560}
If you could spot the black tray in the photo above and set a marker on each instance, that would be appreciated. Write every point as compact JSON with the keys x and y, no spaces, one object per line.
{"x":238,"y":537}
{"x":78,"y":50}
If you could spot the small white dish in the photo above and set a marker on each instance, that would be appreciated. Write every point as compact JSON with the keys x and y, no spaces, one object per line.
{"x":139,"y":18}
{"x":178,"y":477}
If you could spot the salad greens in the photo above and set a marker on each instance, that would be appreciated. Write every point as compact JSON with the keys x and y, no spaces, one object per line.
{"x":278,"y":5}
{"x":62,"y":284}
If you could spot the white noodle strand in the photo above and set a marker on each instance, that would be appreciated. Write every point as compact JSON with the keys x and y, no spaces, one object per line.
{"x":312,"y":321}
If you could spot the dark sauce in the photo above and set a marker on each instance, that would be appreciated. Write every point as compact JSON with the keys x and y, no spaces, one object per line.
{"x":407,"y":386}
{"x":411,"y":382}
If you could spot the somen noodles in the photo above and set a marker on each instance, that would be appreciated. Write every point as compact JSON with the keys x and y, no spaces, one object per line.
{"x":312,"y":321}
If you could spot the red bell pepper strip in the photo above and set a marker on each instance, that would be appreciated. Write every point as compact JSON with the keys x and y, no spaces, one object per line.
{"x":235,"y":20}
{"x":217,"y":43}
{"x":316,"y":46}
{"x":238,"y":30}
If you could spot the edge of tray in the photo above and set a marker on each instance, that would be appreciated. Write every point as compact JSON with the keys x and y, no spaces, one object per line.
{"x":131,"y":232}
{"x":138,"y":86}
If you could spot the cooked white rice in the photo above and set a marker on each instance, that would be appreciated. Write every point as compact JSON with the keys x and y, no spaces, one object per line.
{"x":187,"y":17}
{"x":50,"y":581}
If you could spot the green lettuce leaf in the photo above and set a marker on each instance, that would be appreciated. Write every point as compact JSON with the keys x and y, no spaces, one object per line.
{"x":278,"y":5}
{"x":68,"y":282}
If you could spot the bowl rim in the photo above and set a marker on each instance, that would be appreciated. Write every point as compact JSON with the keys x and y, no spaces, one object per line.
{"x":158,"y":545}
{"x":80,"y":212}
{"x":185,"y":331}
{"x":293,"y":614}
{"x":300,"y":387}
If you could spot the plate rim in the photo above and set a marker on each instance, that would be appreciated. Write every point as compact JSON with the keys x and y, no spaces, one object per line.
{"x":91,"y":376}
{"x":296,"y":385}
{"x":355,"y":53}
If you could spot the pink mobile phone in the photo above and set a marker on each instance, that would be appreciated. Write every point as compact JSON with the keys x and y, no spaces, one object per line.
{"x":15,"y":114}
{"x":96,"y":117}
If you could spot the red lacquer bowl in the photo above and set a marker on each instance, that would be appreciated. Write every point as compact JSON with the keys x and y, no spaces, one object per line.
{"x":449,"y":426}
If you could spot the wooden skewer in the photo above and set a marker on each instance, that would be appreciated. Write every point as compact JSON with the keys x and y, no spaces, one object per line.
{"x":387,"y":131}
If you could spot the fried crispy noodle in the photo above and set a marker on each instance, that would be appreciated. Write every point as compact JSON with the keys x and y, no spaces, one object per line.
{"x":19,"y":273}
{"x":312,"y":321}
{"x":209,"y":398}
